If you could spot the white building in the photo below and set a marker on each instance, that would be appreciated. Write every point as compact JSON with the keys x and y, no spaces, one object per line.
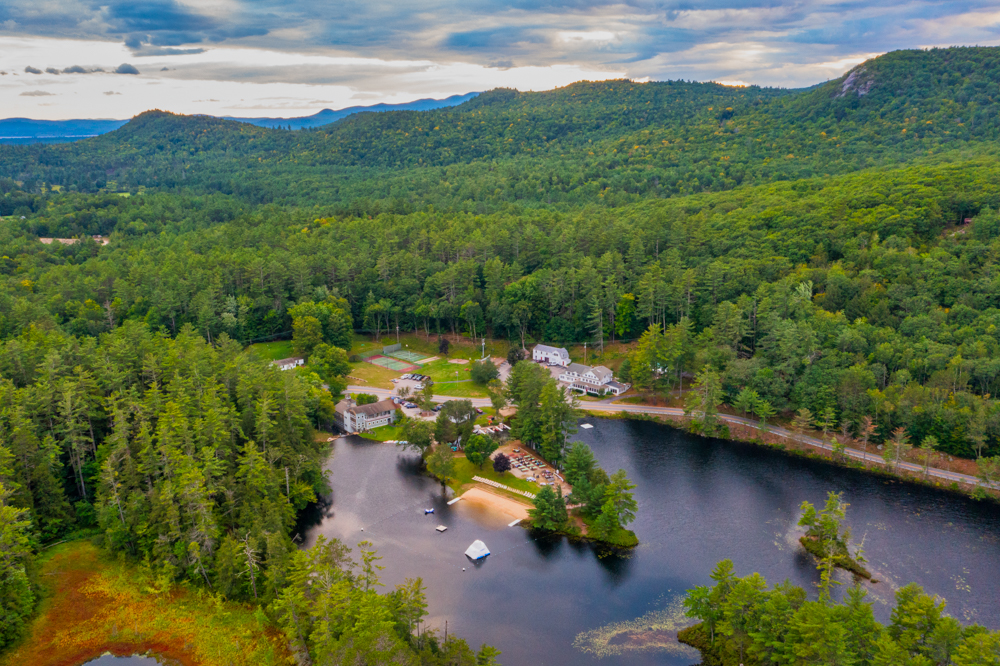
{"x":352,"y":417}
{"x":596,"y":381}
{"x":289,"y":363}
{"x":546,"y":354}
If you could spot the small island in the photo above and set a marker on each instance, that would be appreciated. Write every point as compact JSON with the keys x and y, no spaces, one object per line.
{"x":827,"y":538}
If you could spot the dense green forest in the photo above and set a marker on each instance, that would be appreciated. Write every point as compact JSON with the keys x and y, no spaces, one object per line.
{"x":832,"y":249}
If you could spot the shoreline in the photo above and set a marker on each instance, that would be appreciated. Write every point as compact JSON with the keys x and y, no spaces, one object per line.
{"x":873,"y":465}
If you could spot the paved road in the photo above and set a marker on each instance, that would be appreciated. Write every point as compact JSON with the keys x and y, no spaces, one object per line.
{"x":615,"y":408}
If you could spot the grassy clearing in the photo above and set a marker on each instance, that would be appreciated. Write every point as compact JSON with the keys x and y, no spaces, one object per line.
{"x":448,"y":379}
{"x":458,"y":348}
{"x":465,"y":470}
{"x":274,"y":351}
{"x":384,"y":434}
{"x":93,"y":603}
{"x":371,"y":375}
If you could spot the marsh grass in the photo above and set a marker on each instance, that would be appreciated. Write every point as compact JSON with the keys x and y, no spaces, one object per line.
{"x":92,"y":603}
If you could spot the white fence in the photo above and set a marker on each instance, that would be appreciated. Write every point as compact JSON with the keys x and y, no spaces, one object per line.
{"x":503,"y":487}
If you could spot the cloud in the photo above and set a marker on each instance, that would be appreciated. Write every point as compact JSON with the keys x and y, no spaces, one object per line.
{"x":77,"y":69}
{"x":126,"y":68}
{"x":768,"y":42}
{"x":31,"y":70}
{"x":111,"y":92}
{"x":36,"y":93}
{"x":145,"y":51}
{"x":52,"y":70}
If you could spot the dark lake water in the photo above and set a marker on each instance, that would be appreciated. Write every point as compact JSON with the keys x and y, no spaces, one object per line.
{"x":550,"y":601}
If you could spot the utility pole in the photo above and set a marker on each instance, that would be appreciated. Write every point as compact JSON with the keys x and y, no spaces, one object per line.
{"x":585,"y":353}
{"x":484,"y":348}
{"x":397,"y":334}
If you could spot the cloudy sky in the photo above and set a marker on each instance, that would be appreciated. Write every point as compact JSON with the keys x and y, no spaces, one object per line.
{"x":116,"y":58}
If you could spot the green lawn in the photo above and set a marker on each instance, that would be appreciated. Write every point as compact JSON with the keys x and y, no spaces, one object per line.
{"x":421,"y":345}
{"x":448,"y":379}
{"x":385,"y":433}
{"x":373,"y":375}
{"x":465,"y":470}
{"x":274,"y":351}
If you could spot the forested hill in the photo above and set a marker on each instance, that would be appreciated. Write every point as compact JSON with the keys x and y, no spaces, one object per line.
{"x":617,"y":139}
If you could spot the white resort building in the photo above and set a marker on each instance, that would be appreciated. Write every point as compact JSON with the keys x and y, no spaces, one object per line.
{"x":546,"y":354}
{"x":289,"y":363}
{"x":596,"y":381}
{"x":352,"y":417}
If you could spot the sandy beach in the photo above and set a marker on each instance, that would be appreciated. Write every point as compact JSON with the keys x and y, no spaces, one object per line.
{"x":484,"y":498}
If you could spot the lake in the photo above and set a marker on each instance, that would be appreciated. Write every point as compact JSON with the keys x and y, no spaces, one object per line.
{"x":547,"y":600}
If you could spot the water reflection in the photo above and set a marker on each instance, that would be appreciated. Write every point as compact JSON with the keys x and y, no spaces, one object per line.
{"x":537,"y":596}
{"x":134,"y":660}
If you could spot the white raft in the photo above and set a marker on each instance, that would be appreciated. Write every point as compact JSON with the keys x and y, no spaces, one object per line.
{"x":477,"y":550}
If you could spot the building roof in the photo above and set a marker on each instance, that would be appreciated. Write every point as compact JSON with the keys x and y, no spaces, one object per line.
{"x":374,"y":408}
{"x":289,"y":360}
{"x":578,"y":368}
{"x":552,"y":350}
{"x":602,"y":373}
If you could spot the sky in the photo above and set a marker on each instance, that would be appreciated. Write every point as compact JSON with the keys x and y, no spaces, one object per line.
{"x":285,"y":58}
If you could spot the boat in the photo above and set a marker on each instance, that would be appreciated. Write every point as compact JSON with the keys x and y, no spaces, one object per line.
{"x":441,"y":528}
{"x":426,"y":511}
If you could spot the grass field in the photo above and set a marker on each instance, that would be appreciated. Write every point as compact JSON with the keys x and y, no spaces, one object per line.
{"x":93,"y":603}
{"x":384,"y":434}
{"x":443,"y":372}
{"x":274,"y":351}
{"x":465,"y":470}
{"x":372,"y":375}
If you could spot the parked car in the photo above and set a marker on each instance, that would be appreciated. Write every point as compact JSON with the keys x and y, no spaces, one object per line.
{"x":478,"y":411}
{"x":410,"y":405}
{"x":438,"y":407}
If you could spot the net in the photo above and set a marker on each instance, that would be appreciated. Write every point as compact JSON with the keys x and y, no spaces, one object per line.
{"x":392,"y":363}
{"x":408,"y":356}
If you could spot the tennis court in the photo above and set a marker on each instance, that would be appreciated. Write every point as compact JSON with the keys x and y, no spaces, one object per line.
{"x":392,"y":363}
{"x":412,"y":357}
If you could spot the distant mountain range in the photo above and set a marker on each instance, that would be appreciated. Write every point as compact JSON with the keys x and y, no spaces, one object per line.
{"x":26,"y":130}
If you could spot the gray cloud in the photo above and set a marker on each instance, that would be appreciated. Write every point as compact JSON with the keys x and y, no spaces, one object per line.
{"x":126,"y":68}
{"x":77,"y":69}
{"x":52,"y":70}
{"x":31,"y":70}
{"x":112,"y":92}
{"x":36,"y":93}
{"x":657,"y":38}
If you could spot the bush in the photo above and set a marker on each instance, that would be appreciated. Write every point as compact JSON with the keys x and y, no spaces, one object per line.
{"x":443,"y":345}
{"x":501,"y":464}
{"x":354,"y":358}
{"x":482,"y":372}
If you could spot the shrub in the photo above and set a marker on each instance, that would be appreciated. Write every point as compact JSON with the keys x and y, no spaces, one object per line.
{"x":484,"y":371}
{"x":501,"y":464}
